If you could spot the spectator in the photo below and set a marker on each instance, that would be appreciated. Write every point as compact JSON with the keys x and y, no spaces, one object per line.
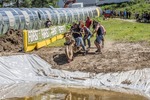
{"x":129,"y":14}
{"x":88,"y":22}
{"x":48,"y":23}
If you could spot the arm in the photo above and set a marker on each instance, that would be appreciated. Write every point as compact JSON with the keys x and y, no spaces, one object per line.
{"x":104,"y":30}
{"x":95,"y":30}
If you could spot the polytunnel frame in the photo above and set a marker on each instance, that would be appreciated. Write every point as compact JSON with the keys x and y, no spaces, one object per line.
{"x":52,"y":15}
{"x":1,"y":24}
{"x":72,"y":14}
{"x":16,"y":18}
{"x":41,"y":16}
{"x":35,"y":18}
{"x":62,"y":17}
{"x":66,"y":17}
{"x":58,"y":17}
{"x":26,"y":12}
{"x":21,"y":18}
{"x":5,"y":22}
{"x":69,"y":16}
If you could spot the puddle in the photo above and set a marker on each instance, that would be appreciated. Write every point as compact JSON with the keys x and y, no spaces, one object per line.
{"x":48,"y":91}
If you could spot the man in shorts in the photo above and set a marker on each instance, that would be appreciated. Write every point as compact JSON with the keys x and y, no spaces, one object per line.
{"x":100,"y":30}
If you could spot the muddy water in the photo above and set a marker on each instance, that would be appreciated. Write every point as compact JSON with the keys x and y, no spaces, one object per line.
{"x":46,"y":91}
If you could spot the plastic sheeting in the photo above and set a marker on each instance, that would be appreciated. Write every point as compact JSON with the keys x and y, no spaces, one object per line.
{"x":31,"y":68}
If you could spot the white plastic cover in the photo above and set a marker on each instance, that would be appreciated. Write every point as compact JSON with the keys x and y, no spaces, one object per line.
{"x":11,"y":19}
{"x":31,"y":68}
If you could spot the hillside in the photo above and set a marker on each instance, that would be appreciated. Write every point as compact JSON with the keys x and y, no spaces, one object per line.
{"x":139,"y":6}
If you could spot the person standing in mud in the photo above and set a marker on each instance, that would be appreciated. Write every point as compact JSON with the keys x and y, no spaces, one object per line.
{"x":100,"y":30}
{"x":78,"y":37}
{"x":87,"y":36}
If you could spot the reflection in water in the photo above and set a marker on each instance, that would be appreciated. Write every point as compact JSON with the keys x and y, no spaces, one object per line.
{"x":60,"y":92}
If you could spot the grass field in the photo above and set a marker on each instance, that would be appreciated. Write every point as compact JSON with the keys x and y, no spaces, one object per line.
{"x":119,"y":30}
{"x":138,"y":6}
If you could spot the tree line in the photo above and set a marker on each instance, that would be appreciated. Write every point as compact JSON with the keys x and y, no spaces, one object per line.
{"x":28,"y":3}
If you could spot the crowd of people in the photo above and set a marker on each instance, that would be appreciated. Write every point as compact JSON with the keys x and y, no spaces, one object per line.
{"x":81,"y":33}
{"x":144,"y":17}
{"x":120,"y":14}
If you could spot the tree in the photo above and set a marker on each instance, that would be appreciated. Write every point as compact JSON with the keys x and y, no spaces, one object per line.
{"x":27,"y":3}
{"x":44,"y":3}
{"x":30,"y":3}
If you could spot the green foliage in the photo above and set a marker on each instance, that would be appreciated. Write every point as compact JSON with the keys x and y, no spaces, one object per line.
{"x":119,"y":30}
{"x":33,"y":3}
{"x":134,"y":6}
{"x":27,"y":3}
{"x":123,"y":5}
{"x":44,"y":3}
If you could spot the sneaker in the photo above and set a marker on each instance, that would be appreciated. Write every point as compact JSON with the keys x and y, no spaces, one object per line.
{"x":97,"y":50}
{"x":84,"y":53}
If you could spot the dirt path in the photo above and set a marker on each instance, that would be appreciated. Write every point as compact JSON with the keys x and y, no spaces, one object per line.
{"x":115,"y":57}
{"x":128,"y":20}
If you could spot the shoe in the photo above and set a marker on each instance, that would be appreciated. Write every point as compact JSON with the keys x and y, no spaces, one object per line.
{"x":97,"y":50}
{"x":84,"y":53}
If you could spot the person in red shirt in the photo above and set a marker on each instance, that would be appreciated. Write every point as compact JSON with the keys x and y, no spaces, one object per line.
{"x":88,"y":22}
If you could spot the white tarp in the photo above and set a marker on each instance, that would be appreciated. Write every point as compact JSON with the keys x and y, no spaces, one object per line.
{"x":31,"y":68}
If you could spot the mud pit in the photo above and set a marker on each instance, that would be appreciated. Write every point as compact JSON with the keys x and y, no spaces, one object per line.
{"x":115,"y":57}
{"x":11,"y":42}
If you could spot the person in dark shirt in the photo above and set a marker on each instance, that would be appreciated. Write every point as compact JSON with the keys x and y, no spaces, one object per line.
{"x":48,"y":23}
{"x":100,"y":30}
{"x":78,"y":37}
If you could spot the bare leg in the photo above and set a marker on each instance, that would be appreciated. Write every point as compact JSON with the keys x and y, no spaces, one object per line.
{"x":96,"y":45}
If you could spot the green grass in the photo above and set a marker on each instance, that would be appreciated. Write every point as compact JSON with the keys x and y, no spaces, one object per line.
{"x":119,"y":30}
{"x":139,"y":6}
{"x":58,"y":43}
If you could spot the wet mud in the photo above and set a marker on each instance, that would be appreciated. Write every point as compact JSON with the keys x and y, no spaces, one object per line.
{"x":115,"y":57}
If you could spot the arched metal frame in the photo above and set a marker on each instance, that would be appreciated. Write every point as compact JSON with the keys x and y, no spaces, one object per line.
{"x":35,"y":18}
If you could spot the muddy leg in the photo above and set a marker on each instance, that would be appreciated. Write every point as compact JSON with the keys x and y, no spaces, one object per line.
{"x":103,"y":43}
